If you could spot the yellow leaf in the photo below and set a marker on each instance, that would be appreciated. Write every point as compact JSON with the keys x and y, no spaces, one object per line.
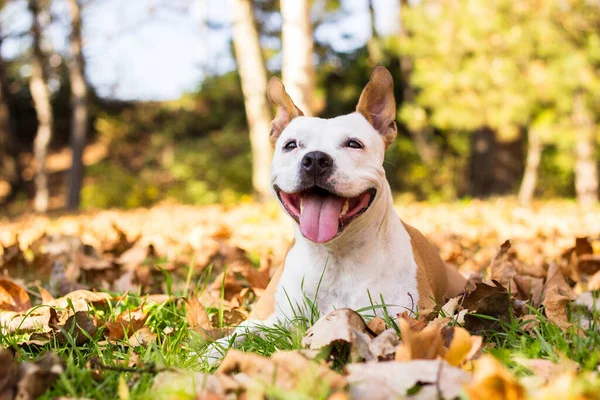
{"x":459,"y":347}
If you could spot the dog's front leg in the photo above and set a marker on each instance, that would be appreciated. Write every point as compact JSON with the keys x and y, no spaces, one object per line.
{"x":216,"y":350}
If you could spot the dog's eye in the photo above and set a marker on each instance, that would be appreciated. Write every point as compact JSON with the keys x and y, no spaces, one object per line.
{"x":354,"y":144}
{"x":291,"y":145}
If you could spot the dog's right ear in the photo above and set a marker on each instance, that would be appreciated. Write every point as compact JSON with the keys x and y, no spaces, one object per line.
{"x":286,"y":109}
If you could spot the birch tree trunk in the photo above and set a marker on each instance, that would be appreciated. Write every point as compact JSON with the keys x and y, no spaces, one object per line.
{"x":297,"y":48}
{"x":586,"y":174}
{"x":79,"y":104}
{"x":253,"y":75}
{"x":41,"y":101}
{"x":534,"y":156}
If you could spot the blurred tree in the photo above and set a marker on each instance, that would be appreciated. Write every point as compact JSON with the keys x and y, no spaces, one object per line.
{"x":504,"y":66}
{"x":297,"y":48}
{"x":38,"y":85}
{"x":79,"y":104}
{"x":253,"y":75}
{"x":10,"y":169}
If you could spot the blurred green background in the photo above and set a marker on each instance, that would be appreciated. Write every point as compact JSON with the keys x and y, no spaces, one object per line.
{"x":490,"y":95}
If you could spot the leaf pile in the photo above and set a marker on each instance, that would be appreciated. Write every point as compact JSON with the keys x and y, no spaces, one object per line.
{"x":134,"y":280}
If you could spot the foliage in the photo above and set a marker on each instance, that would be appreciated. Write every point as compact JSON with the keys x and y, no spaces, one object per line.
{"x":504,"y":65}
{"x":186,"y":280}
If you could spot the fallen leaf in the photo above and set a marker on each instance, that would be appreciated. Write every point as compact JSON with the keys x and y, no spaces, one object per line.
{"x":13,"y":297}
{"x":284,"y":369}
{"x":426,"y":344}
{"x":529,"y":288}
{"x":491,"y":380}
{"x":376,"y":325}
{"x":339,"y":325}
{"x":179,"y":384}
{"x":488,"y":300}
{"x":79,"y":327}
{"x":28,"y":380}
{"x":415,"y":324}
{"x":126,"y":324}
{"x":142,"y":337}
{"x":393,"y":379}
{"x":557,"y":296}
{"x":463,"y":346}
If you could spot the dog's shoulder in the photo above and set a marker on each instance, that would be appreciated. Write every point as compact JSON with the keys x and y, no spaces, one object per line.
{"x":432,"y":280}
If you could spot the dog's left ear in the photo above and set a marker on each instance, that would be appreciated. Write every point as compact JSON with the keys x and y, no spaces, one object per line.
{"x":378,"y":105}
{"x":286,"y":109}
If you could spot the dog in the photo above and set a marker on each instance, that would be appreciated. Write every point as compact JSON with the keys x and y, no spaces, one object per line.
{"x":351,"y":249}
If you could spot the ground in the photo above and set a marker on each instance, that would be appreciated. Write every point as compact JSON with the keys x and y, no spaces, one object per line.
{"x":124,"y":296}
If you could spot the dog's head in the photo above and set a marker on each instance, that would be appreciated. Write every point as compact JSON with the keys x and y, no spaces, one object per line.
{"x":326,"y":173}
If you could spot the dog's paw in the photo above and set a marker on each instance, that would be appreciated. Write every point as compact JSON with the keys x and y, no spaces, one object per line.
{"x":214,"y":352}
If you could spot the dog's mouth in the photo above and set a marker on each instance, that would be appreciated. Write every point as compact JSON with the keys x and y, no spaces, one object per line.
{"x":323,"y":215}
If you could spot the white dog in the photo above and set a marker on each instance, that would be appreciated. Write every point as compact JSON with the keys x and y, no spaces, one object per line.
{"x":351,"y":249}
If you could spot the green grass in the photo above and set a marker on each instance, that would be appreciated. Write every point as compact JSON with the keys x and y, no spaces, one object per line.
{"x":178,"y":346}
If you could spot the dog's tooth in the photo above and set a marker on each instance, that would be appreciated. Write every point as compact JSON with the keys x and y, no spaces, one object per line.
{"x":301,"y":204}
{"x":345,"y":208}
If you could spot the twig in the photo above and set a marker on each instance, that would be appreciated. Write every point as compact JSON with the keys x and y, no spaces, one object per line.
{"x":150,"y":369}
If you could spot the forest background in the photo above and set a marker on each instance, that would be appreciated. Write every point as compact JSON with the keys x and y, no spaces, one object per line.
{"x":126,"y":104}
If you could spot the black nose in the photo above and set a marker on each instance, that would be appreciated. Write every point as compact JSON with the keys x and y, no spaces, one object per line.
{"x":317,"y":163}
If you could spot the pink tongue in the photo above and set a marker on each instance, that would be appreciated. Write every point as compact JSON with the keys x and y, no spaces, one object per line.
{"x":320,"y":217}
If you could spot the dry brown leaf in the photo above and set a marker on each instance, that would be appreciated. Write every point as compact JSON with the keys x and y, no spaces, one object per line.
{"x":393,"y":379}
{"x":28,"y":380}
{"x":529,"y":288}
{"x":376,"y":325}
{"x":416,"y":325}
{"x":196,"y":315}
{"x":426,"y":344}
{"x":77,"y":327}
{"x":491,"y":380}
{"x":13,"y":297}
{"x":486,"y":300}
{"x":142,"y":337}
{"x":231,"y":317}
{"x":80,"y":300}
{"x":502,"y":268}
{"x":557,"y":296}
{"x":45,"y":295}
{"x":126,"y":324}
{"x":339,"y":325}
{"x":555,"y":305}
{"x":284,"y":369}
{"x":9,"y":370}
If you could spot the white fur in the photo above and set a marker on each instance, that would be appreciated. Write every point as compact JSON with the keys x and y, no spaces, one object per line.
{"x":373,"y":255}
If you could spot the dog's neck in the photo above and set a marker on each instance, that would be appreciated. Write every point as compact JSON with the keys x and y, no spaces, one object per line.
{"x":372,"y":232}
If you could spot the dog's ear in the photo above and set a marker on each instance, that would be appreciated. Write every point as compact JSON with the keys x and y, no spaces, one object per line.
{"x":378,"y":105}
{"x":286,"y":109}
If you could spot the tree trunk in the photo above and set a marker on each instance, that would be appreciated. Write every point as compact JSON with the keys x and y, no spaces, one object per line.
{"x":373,"y":48}
{"x":41,"y":101}
{"x":534,"y":156}
{"x":297,"y":47}
{"x":586,"y":174}
{"x":253,"y":75}
{"x":9,"y":153}
{"x":79,"y":104}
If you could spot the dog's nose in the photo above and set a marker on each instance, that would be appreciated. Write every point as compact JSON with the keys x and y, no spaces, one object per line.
{"x":317,"y":163}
